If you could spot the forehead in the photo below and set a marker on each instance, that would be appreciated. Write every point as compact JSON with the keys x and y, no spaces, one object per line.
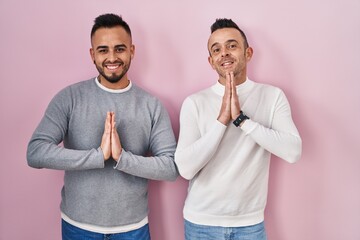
{"x":110,"y":36}
{"x":223,"y":35}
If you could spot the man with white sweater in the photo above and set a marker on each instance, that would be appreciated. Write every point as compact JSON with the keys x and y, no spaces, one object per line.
{"x":227,"y":135}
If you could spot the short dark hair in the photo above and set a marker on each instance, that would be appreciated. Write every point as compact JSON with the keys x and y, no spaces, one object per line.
{"x":228,"y":23}
{"x":109,"y":20}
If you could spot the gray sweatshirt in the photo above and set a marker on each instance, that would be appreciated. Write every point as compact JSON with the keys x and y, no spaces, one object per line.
{"x":96,"y":192}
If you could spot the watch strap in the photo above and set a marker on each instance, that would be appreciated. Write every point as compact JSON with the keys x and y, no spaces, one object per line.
{"x":240,"y":119}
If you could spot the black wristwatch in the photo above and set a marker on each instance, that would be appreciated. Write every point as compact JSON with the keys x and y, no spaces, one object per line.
{"x":240,"y":119}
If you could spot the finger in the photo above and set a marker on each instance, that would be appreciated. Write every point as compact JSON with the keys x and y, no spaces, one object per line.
{"x":232,"y":84}
{"x":228,"y":77}
{"x":107,"y":123}
{"x":112,"y":119}
{"x":105,"y":140}
{"x":227,"y":84}
{"x":113,"y":128}
{"x":231,"y":76}
{"x":116,"y":147}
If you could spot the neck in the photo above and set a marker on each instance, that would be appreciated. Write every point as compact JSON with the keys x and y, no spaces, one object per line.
{"x":121,"y":84}
{"x":238,"y":80}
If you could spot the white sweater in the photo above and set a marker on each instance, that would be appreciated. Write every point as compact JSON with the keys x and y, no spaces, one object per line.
{"x":228,"y":167}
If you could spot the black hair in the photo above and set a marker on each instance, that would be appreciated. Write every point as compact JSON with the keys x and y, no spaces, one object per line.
{"x":228,"y":23}
{"x":109,"y":20}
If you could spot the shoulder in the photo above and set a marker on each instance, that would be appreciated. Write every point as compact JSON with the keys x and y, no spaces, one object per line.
{"x":199,"y":96}
{"x":82,"y":85}
{"x":198,"y":100}
{"x":145,"y":100}
{"x":69,"y":92}
{"x":142,"y":94}
{"x":267,"y":89}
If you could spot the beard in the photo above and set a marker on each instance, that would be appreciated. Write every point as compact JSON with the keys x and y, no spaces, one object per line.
{"x":237,"y":69}
{"x":222,"y":73}
{"x":113,"y":78}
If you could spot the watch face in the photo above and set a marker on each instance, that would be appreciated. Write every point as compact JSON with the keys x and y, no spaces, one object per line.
{"x":237,"y":121}
{"x":240,"y":119}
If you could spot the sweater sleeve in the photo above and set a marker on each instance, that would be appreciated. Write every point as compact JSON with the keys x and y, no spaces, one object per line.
{"x":281,"y":138}
{"x":194,"y":150}
{"x":44,"y":150}
{"x":159,"y":165}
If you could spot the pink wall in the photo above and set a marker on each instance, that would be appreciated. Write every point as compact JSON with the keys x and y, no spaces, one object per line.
{"x":309,"y":48}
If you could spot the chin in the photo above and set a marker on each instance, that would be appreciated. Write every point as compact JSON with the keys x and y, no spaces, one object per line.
{"x":113,"y":78}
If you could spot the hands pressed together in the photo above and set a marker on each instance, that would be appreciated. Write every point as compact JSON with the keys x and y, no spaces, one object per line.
{"x":230,"y":107}
{"x":110,"y":142}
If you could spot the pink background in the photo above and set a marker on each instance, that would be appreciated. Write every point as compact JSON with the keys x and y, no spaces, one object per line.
{"x":308,"y":48}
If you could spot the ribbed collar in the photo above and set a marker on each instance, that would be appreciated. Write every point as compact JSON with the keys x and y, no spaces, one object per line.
{"x":113,"y":90}
{"x":219,"y":89}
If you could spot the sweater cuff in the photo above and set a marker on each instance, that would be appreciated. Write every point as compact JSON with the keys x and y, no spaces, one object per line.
{"x":119,"y":164}
{"x":100,"y":163}
{"x":220,"y":125}
{"x":248,"y":126}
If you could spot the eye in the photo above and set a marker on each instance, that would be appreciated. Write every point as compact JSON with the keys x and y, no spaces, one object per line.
{"x":216,"y":50}
{"x":103,"y":50}
{"x":232,"y":46}
{"x":120,"y":50}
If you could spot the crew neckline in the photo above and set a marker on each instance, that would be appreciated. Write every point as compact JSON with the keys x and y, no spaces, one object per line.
{"x":219,"y":89}
{"x":127,"y":88}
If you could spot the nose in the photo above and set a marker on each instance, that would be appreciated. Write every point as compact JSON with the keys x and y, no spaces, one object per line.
{"x":224,"y":52}
{"x":112,"y":56}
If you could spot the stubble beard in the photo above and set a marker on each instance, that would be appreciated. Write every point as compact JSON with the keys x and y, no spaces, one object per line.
{"x":113,"y":78}
{"x":222,"y":73}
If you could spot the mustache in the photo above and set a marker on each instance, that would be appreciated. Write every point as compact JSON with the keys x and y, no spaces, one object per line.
{"x":109,"y":62}
{"x":226,"y":59}
{"x":114,"y":62}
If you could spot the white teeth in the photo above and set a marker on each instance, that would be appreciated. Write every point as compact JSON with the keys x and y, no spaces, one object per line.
{"x":227,"y":63}
{"x":112,"y":67}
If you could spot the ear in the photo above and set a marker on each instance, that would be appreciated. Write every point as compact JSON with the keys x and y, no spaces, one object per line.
{"x":249,"y":53}
{"x":211,"y":61}
{"x":92,"y":54}
{"x":132,"y":51}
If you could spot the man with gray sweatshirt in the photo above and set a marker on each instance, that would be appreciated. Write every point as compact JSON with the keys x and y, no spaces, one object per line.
{"x":115,"y":137}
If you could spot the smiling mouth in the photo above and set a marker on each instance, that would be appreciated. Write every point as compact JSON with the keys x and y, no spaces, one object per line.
{"x":227,"y":64}
{"x":113,"y":67}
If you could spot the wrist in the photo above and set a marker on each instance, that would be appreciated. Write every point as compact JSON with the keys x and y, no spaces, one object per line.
{"x":118,"y":156}
{"x":223,"y":120}
{"x":239,"y":121}
{"x":242,"y":123}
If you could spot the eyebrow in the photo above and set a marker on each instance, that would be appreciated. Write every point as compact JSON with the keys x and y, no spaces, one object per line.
{"x":227,"y":42}
{"x":106,"y":47}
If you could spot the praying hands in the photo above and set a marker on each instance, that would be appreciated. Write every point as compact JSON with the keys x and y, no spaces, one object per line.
{"x":110,"y":142}
{"x":230,"y":107}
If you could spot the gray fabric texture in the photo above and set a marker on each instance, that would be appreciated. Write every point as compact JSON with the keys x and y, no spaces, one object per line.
{"x":97,"y":192}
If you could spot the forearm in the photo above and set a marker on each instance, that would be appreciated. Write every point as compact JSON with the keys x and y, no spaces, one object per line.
{"x":154,"y":167}
{"x":44,"y":151}
{"x":284,"y":144}
{"x":193,"y":154}
{"x":44,"y":154}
